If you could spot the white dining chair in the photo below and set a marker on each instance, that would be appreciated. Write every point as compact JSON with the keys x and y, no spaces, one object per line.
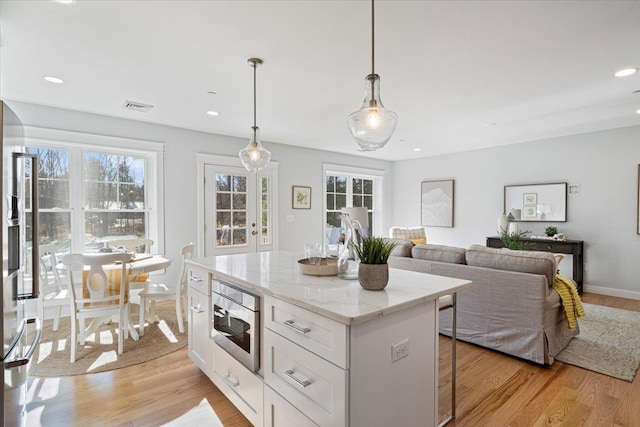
{"x":96,"y":298}
{"x":158,"y":292}
{"x":52,"y":292}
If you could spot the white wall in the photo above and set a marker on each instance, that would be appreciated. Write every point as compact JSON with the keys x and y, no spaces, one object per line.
{"x":604,"y":214}
{"x":297,"y":166}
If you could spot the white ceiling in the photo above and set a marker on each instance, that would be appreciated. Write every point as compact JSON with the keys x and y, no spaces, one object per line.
{"x":536,"y":69}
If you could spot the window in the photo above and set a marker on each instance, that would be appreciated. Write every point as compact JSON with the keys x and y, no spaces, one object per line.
{"x":54,"y":196}
{"x":91,"y":194}
{"x":348,"y":187}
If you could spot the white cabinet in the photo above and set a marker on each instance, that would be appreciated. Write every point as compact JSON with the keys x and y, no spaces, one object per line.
{"x":198,"y":312}
{"x":318,"y":334}
{"x":312,"y":384}
{"x":280,"y":413}
{"x":306,"y":367}
{"x":241,"y":386}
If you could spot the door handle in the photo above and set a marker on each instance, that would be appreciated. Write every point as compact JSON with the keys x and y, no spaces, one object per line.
{"x":253,"y":233}
{"x":301,"y":383}
{"x":227,"y":379}
{"x":296,"y":328}
{"x":197,"y":308}
{"x":36,"y":340}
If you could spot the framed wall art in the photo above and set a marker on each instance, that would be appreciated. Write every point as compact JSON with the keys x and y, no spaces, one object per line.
{"x":436,"y":203}
{"x":301,"y":197}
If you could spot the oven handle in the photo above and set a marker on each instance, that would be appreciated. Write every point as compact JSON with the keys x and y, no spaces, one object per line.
{"x":296,"y":328}
{"x":238,"y":310}
{"x":301,"y":383}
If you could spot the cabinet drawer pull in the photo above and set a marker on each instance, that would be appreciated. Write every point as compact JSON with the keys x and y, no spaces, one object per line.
{"x":296,"y":328}
{"x":227,"y":379}
{"x":195,"y":279}
{"x":197,"y":308}
{"x":301,"y":383}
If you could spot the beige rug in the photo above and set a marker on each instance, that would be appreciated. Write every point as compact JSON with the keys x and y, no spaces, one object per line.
{"x":100,"y":352}
{"x":609,"y":342}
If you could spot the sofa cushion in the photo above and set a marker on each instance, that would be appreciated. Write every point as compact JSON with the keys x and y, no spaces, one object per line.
{"x":403,"y":249}
{"x":439,"y":253}
{"x":506,"y":259}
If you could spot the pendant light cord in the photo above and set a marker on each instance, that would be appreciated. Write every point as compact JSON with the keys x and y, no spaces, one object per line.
{"x":373,"y":41}
{"x":254,"y":95}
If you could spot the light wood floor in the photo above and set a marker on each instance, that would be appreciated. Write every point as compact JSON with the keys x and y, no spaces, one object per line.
{"x":493,"y":390}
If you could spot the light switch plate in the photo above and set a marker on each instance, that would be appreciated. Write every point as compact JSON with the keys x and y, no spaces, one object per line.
{"x":574,"y":189}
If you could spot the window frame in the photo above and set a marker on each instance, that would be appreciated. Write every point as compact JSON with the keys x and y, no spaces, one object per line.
{"x":351,"y":172}
{"x":77,"y":144}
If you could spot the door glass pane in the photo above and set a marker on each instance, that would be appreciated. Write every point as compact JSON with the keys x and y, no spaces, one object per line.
{"x":265,"y":211}
{"x":223,"y":201}
{"x":239,"y":236}
{"x":239,"y":219}
{"x":341,"y":201}
{"x":239,"y":201}
{"x":223,"y":182}
{"x":239,"y":184}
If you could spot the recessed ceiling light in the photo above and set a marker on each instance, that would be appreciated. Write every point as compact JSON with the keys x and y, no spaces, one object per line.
{"x":637,"y":111}
{"x":417,"y":149}
{"x":53,"y":79}
{"x":213,"y":113}
{"x":66,"y":1}
{"x":625,"y":72}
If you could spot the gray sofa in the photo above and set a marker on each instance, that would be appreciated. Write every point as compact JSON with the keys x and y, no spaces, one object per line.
{"x":511,"y":306}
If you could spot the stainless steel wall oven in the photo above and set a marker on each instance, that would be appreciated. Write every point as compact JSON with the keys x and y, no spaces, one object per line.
{"x":235,"y":322}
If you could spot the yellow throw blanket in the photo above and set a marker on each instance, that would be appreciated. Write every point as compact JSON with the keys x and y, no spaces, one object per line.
{"x":571,"y":301}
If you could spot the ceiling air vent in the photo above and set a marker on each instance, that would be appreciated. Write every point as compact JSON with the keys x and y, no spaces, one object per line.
{"x":137,"y":106}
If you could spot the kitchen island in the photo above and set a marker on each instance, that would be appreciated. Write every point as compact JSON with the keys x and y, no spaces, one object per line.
{"x":331,"y":353}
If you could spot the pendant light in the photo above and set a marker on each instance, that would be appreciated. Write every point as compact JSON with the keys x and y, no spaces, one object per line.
{"x":254,"y":156}
{"x":372,"y":125}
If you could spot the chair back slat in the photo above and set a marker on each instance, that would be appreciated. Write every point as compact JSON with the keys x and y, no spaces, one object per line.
{"x":133,"y":245}
{"x":187,"y":252}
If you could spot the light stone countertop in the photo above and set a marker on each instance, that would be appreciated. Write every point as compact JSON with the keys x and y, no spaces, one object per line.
{"x":277,"y":274}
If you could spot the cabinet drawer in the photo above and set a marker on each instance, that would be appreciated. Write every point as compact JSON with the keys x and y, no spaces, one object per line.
{"x":280,"y":413}
{"x":240,"y":385}
{"x":198,"y":278}
{"x":321,"y":335}
{"x":315,"y":386}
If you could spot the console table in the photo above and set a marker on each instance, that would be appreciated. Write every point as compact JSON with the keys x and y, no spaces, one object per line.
{"x":571,"y":247}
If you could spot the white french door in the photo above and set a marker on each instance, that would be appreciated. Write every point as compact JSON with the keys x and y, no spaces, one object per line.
{"x":239,"y":210}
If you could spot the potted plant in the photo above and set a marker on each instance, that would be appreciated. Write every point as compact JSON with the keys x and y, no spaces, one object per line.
{"x":512,"y":240}
{"x":551,"y":231}
{"x":373,"y":271}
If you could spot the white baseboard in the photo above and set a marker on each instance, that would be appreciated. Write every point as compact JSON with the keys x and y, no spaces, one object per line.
{"x":620,"y":293}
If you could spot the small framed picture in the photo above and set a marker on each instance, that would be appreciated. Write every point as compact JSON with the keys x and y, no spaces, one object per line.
{"x":301,"y":197}
{"x":529,"y":212}
{"x":529,"y":198}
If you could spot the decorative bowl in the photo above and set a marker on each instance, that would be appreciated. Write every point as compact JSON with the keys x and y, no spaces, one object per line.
{"x":321,"y":266}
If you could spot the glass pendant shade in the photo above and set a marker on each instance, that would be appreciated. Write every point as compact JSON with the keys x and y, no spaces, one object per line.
{"x":254,"y":156}
{"x":372,"y":125}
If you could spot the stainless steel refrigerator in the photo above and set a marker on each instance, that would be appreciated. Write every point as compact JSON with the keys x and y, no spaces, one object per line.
{"x":20,"y":263}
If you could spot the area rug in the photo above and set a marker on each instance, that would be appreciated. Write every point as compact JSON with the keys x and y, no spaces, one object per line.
{"x":100,"y":352}
{"x":609,"y":342}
